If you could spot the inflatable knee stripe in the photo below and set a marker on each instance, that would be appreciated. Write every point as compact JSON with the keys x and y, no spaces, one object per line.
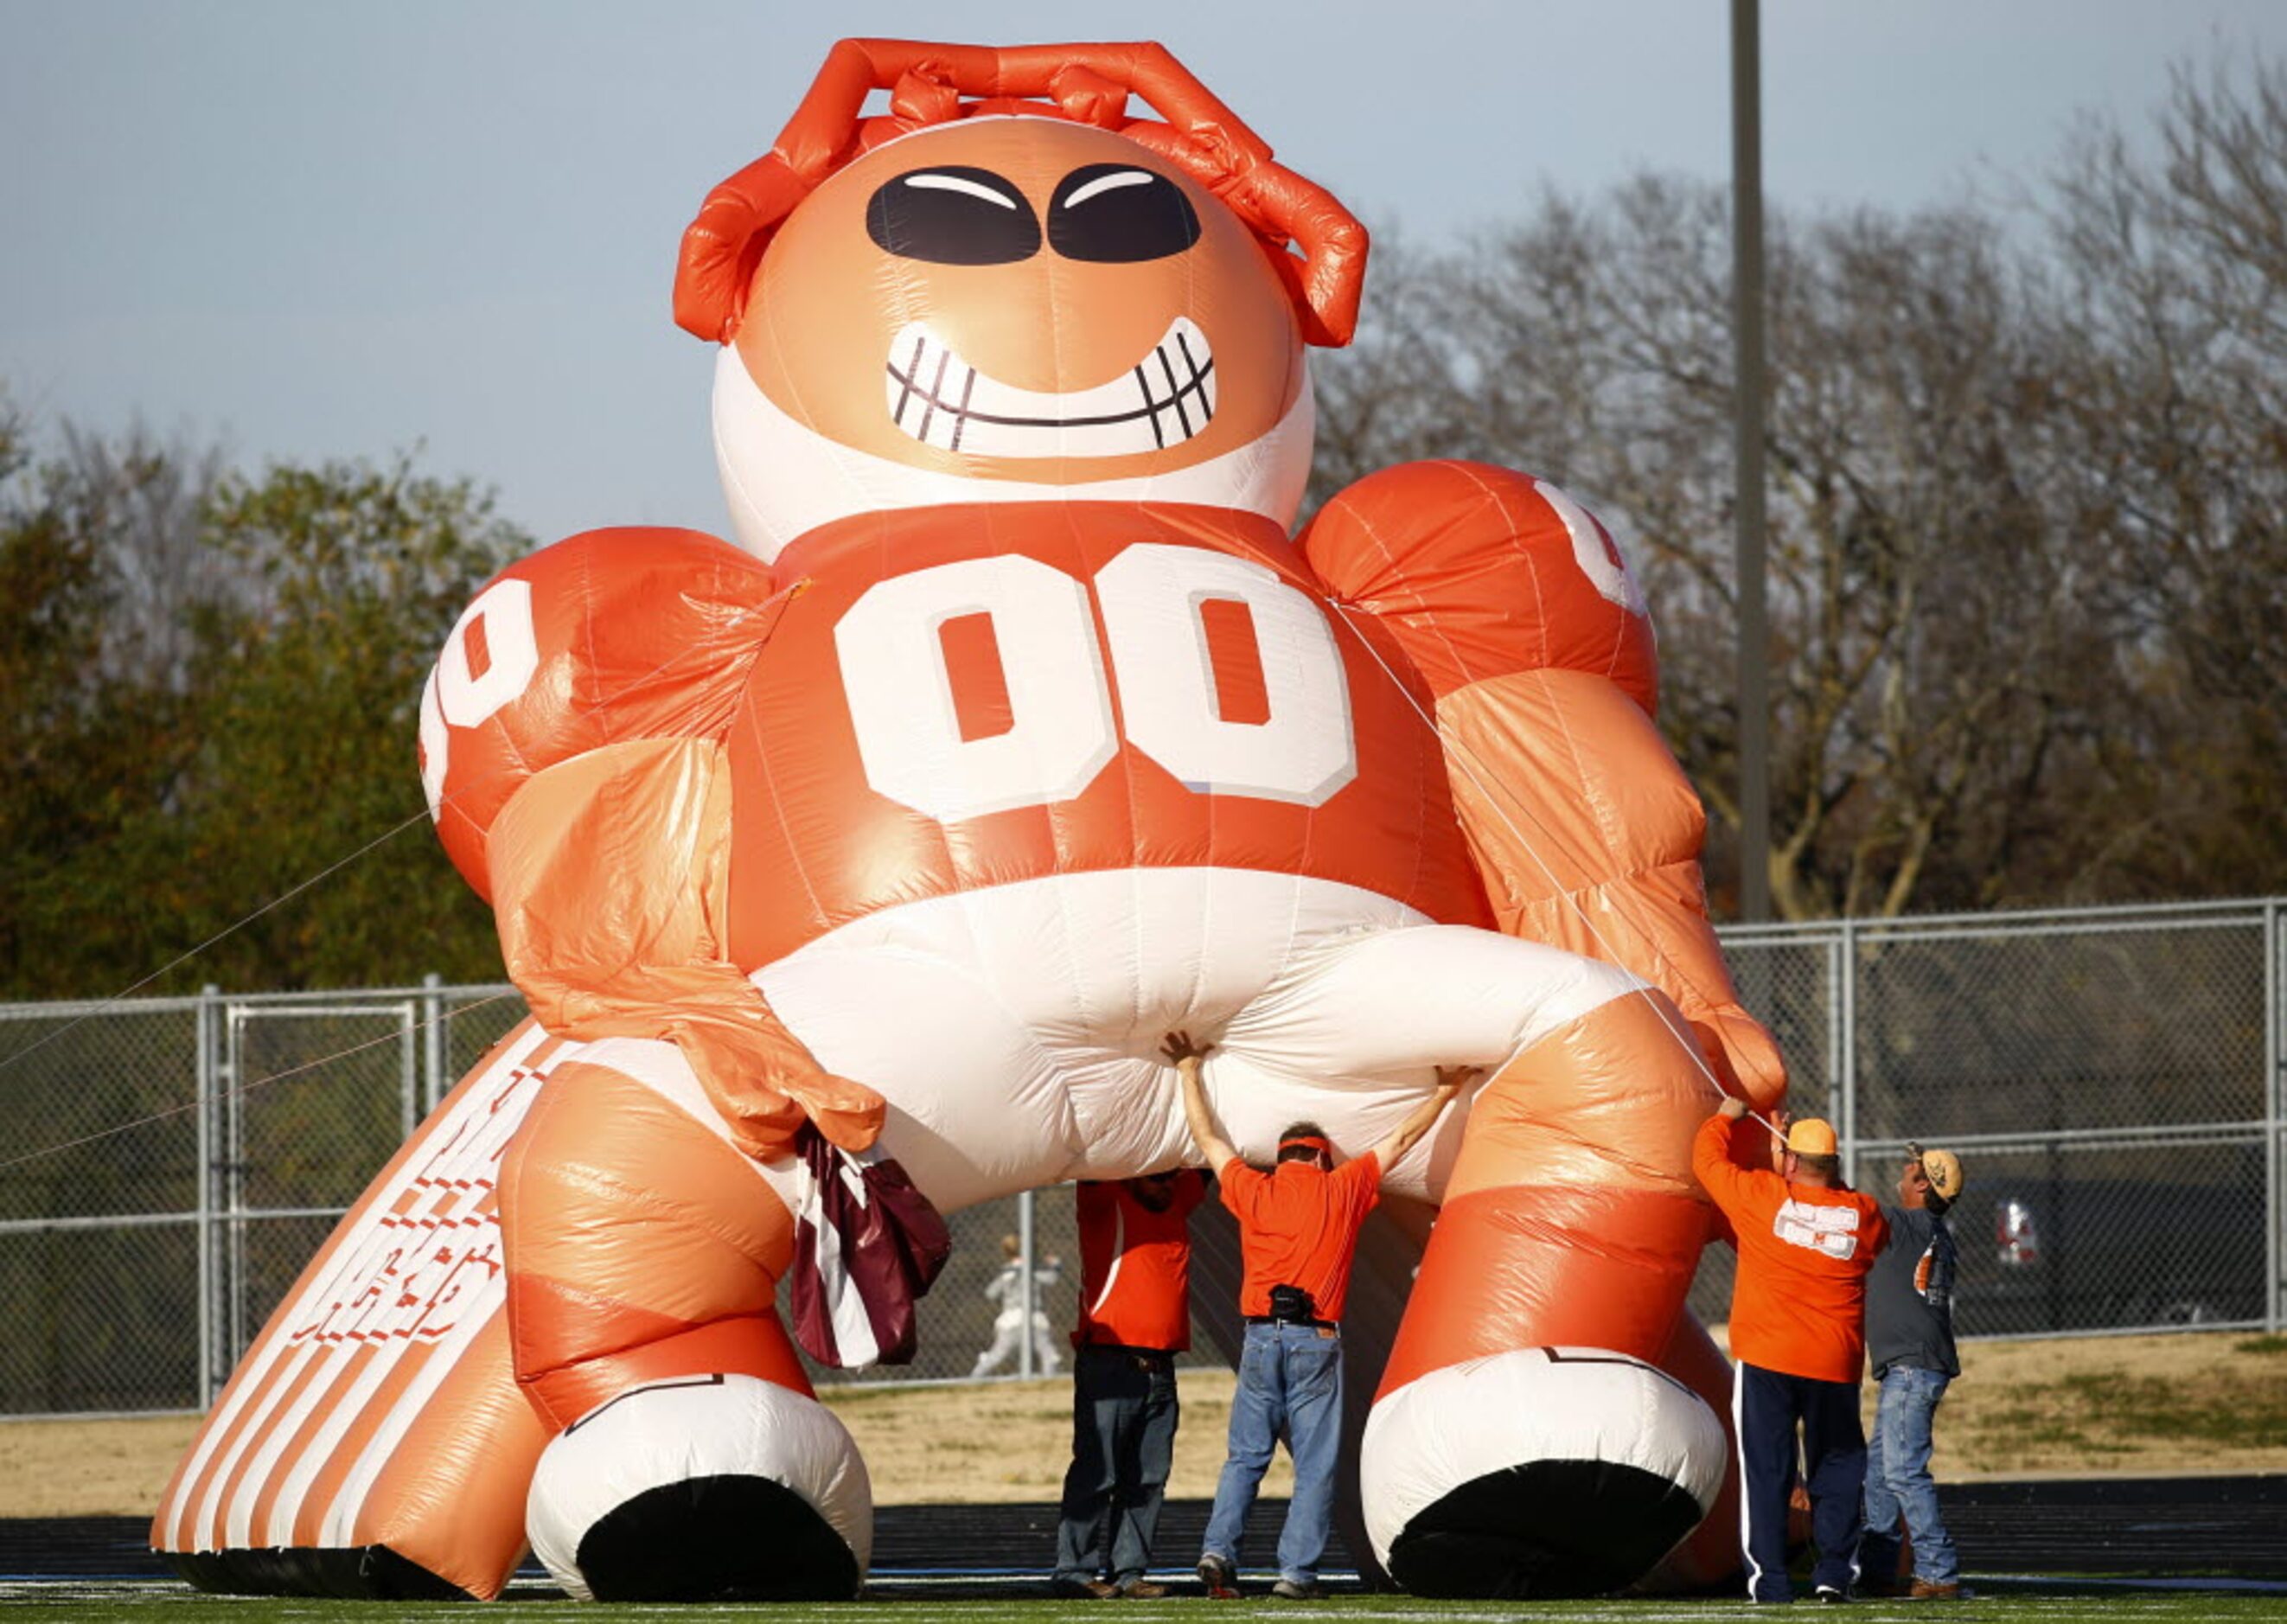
{"x":1570,"y":1216}
{"x":632,"y":1222}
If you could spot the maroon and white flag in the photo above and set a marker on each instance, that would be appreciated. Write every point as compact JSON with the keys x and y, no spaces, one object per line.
{"x":867,"y":1246}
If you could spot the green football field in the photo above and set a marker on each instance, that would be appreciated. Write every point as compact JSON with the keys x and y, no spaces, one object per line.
{"x":2034,"y":1602}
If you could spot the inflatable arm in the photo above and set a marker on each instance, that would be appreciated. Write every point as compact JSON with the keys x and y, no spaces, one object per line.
{"x":580,"y":785}
{"x":1513,"y":604}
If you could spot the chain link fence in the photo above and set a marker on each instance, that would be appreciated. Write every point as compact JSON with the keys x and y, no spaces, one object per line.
{"x":2111,"y":1080}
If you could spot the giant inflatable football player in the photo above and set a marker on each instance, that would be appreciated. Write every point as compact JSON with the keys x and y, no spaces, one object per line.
{"x":854,"y":871}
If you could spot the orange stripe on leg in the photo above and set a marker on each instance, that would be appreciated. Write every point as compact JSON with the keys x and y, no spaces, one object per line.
{"x":750,"y":1343}
{"x":1547,"y":1265}
{"x":641,"y":1245}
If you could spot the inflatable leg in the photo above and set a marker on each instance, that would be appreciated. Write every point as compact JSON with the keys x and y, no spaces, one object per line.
{"x":691,"y":1459}
{"x":1524,"y":1440}
{"x":372,"y":1442}
{"x":1710,"y":1556}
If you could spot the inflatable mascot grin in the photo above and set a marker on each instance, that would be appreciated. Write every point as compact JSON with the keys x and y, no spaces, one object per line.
{"x":854,"y":874}
{"x":1165,"y":399}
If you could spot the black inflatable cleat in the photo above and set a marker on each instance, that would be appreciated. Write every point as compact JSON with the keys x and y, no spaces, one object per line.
{"x":730,"y":1538}
{"x":1552,"y":1528}
{"x":360,"y":1572}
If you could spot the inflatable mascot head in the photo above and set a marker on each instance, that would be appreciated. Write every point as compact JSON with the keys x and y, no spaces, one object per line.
{"x":1006,"y":288}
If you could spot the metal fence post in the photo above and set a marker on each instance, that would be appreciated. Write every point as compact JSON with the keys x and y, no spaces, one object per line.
{"x":204,"y":1040}
{"x":1026,"y":1289}
{"x":1847,"y":1080}
{"x":2274,"y":1197}
{"x":409,"y":1069}
{"x":230,"y":1076}
{"x":432,"y":1048}
{"x":1837,"y":1043}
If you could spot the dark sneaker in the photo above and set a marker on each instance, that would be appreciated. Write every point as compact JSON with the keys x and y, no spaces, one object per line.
{"x":1220,"y":1578}
{"x":1297,"y":1590}
{"x":1831,"y":1596}
{"x":1083,"y":1589}
{"x":1143,"y":1590}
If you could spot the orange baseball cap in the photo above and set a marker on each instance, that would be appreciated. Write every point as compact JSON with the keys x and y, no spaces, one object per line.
{"x":1811,"y":1137}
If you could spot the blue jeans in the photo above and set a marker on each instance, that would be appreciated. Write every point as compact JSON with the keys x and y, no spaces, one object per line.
{"x":1898,"y":1479}
{"x":1290,"y":1387}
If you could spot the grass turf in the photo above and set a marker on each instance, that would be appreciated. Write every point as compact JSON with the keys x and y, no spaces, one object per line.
{"x":2016,"y":1602}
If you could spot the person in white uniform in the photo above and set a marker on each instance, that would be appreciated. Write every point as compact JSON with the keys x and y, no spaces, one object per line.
{"x":1020,"y":1312}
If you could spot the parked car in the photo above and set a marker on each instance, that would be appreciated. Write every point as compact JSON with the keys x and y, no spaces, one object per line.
{"x":2065,"y":1254}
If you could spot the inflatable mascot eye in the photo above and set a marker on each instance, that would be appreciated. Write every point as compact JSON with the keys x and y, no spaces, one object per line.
{"x":1114,"y":213}
{"x":958,"y":216}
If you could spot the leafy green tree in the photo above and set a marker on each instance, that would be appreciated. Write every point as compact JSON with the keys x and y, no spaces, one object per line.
{"x":210,"y":691}
{"x":91,"y":728}
{"x":306,"y":765}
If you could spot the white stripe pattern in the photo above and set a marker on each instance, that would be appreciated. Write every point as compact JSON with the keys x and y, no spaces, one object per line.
{"x":302,"y":1335}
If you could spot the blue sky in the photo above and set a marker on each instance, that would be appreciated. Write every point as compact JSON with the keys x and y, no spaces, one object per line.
{"x":309,"y":230}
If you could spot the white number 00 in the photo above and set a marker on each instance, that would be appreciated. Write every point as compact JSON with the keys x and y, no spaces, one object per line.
{"x":1060,"y":700}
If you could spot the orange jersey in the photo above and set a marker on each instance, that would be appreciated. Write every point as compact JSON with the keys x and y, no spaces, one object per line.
{"x":1798,"y":1304}
{"x":1135,"y":1266}
{"x":1129,"y":687}
{"x":1298,"y":1226}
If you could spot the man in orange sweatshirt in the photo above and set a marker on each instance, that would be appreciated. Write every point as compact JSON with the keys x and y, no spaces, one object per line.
{"x":1806,"y":1240}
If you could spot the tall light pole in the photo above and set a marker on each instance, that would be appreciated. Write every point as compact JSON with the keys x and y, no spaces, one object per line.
{"x":1747,"y":458}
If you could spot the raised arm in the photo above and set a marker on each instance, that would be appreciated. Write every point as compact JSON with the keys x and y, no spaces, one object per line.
{"x":1519,"y":613}
{"x":1187,"y":1058}
{"x":1424,"y":1116}
{"x":584,"y":791}
{"x":1711,"y":1158}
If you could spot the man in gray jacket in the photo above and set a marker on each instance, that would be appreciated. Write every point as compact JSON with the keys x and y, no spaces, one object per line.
{"x":1910,"y":1343}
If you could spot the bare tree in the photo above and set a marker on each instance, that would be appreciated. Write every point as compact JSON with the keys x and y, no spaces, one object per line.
{"x":1963,"y":664}
{"x":2172,"y":302}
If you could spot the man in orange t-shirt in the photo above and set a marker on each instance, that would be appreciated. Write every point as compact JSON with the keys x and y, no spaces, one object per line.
{"x":1298,"y":1227}
{"x":1135,"y":1316}
{"x":1806,"y":1240}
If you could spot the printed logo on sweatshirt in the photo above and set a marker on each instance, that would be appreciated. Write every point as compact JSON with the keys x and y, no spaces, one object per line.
{"x":1830,"y":1230}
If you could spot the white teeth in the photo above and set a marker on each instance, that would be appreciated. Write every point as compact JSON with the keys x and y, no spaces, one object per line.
{"x":941,"y":400}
